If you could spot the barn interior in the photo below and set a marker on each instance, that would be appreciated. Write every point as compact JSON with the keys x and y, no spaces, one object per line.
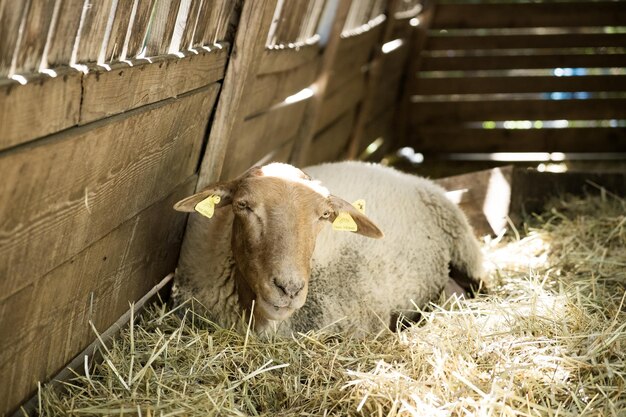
{"x":113,"y":110}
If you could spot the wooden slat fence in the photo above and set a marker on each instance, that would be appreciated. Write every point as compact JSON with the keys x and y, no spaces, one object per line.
{"x":520,"y":77}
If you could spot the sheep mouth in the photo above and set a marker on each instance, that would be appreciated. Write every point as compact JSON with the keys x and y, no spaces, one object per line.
{"x":274,"y":311}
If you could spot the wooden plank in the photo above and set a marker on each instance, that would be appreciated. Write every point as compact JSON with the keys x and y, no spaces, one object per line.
{"x":342,"y":100}
{"x":96,"y":177}
{"x":385,"y":96}
{"x":519,"y":84}
{"x":123,"y":88}
{"x":33,"y":36}
{"x":494,"y":62}
{"x":272,"y":89}
{"x":543,"y":41}
{"x":458,"y":139}
{"x":354,"y":52}
{"x":139,"y":27}
{"x":96,"y":16}
{"x":447,"y":112}
{"x":46,"y":324}
{"x":332,"y":142}
{"x":280,"y":60}
{"x":162,"y":27}
{"x":512,"y":15}
{"x":258,"y":136}
{"x":43,"y":106}
{"x":10,"y":19}
{"x":280,"y":154}
{"x":256,"y":17}
{"x":191,"y":25}
{"x":64,"y":34}
{"x":380,"y":127}
{"x":119,"y":30}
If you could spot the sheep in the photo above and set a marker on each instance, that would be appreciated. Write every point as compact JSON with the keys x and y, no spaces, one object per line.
{"x":276,"y":247}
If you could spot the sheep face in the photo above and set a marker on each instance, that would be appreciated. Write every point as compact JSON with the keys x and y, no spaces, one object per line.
{"x":278,"y":213}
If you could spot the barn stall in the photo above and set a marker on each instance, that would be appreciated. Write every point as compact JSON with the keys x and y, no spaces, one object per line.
{"x":111,"y":111}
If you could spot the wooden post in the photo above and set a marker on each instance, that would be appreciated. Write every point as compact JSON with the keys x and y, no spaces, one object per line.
{"x":256,"y":17}
{"x":306,"y":132}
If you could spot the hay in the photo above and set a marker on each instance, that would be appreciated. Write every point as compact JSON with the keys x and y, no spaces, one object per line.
{"x":550,"y":340}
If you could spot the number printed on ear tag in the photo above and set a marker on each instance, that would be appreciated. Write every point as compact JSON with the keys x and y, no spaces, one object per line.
{"x":207,"y":206}
{"x":344,"y":222}
{"x":360,"y":206}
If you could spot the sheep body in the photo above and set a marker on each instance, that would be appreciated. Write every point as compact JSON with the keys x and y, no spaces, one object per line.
{"x":357,"y":284}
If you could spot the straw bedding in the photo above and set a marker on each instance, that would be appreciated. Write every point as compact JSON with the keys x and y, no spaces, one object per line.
{"x":549,"y":339}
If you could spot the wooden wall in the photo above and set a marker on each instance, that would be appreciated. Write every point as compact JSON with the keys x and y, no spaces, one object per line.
{"x":519,"y":77}
{"x":102,"y":127}
{"x":112,"y":110}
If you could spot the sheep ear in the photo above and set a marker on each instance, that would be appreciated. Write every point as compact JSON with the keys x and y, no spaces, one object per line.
{"x":224,"y":193}
{"x":365,"y":226}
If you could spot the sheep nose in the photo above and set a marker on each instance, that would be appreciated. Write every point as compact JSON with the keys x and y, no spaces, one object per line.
{"x":290,"y":288}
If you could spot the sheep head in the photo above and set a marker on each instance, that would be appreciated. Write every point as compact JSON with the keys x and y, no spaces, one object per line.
{"x":279,"y":211}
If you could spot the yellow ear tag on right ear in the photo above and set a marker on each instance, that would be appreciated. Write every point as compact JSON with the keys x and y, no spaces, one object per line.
{"x":344,"y":222}
{"x":207,"y":206}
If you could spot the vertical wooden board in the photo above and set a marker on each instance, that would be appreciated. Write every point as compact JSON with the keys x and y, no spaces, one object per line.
{"x":329,"y":144}
{"x":64,"y":34}
{"x":342,"y":100}
{"x":139,"y":27}
{"x":162,"y":27}
{"x":190,"y":28}
{"x":91,"y":36}
{"x":106,"y":93}
{"x":86,"y":181}
{"x":10,"y":19}
{"x":33,"y":36}
{"x":46,"y":324}
{"x":202,"y":25}
{"x":43,"y":106}
{"x":119,"y":29}
{"x":249,"y":45}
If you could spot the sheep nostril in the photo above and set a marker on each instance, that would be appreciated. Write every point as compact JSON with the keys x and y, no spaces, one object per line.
{"x":280,"y":287}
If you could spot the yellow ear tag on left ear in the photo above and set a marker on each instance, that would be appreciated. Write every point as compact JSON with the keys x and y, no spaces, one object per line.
{"x":207,"y":206}
{"x":344,"y":222}
{"x":360,"y":206}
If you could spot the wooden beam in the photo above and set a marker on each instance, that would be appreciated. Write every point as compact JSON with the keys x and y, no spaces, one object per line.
{"x":457,"y":139}
{"x":109,"y":92}
{"x":96,"y":177}
{"x":43,"y":106}
{"x":446,"y":112}
{"x":245,"y":60}
{"x":516,"y":14}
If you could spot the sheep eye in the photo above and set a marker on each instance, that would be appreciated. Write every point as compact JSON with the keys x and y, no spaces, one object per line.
{"x":241,"y":205}
{"x":325,"y":215}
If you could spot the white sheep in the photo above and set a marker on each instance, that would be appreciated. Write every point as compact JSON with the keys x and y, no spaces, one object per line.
{"x":276,"y":245}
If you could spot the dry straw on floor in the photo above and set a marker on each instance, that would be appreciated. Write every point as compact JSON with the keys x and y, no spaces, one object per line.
{"x":549,"y":340}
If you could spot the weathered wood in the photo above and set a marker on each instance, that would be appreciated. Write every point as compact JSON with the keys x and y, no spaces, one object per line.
{"x":255,"y":20}
{"x":519,"y":84}
{"x":10,"y":19}
{"x":342,"y":100}
{"x":139,"y":27}
{"x":93,"y":28}
{"x":380,"y":127}
{"x":258,"y":136}
{"x":272,"y":89}
{"x":96,"y":177}
{"x":384,"y":96}
{"x":191,"y":25}
{"x":33,"y":36}
{"x":205,"y":23}
{"x":495,"y":62}
{"x":46,"y":324}
{"x":548,"y":40}
{"x":123,"y":88}
{"x":332,"y":142}
{"x":162,"y":27}
{"x":279,"y":60}
{"x":459,"y":139}
{"x":509,"y":15}
{"x":43,"y":106}
{"x":119,"y":30}
{"x":311,"y":123}
{"x":64,"y":33}
{"x":280,"y":154}
{"x":524,"y":109}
